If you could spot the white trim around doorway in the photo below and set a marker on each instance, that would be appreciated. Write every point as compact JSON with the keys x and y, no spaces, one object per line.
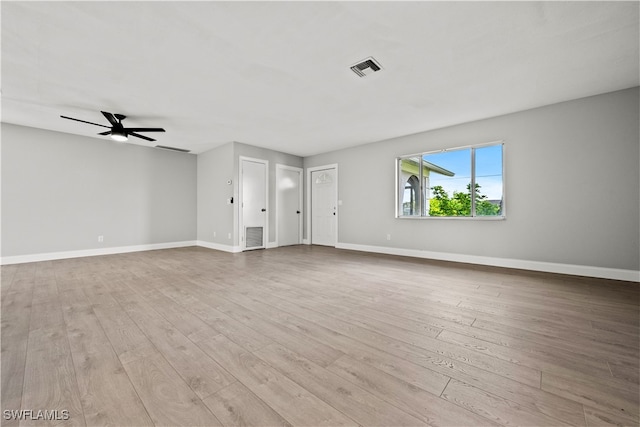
{"x":308,"y":206}
{"x":242,"y":242}
{"x":279,"y":168}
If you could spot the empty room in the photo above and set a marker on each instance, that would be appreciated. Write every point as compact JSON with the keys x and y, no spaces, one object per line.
{"x":320,"y":213}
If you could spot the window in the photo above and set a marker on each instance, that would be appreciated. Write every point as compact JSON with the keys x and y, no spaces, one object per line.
{"x":439,"y":183}
{"x":411,"y":190}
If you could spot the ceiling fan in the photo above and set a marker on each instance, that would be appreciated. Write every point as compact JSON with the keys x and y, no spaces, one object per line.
{"x":118,"y":132}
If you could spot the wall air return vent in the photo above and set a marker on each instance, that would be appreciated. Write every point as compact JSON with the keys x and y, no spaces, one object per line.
{"x":164,"y":147}
{"x":366,"y":66}
{"x":253,"y":237}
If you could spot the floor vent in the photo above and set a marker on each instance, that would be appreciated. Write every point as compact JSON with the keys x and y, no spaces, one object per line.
{"x":366,"y":66}
{"x":253,"y":237}
{"x":164,"y":147}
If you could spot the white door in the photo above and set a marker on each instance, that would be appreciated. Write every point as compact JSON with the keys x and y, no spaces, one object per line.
{"x":323,"y":207}
{"x":253,"y":199}
{"x":289,"y":205}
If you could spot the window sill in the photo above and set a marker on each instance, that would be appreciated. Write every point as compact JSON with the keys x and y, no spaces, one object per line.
{"x":463,"y":218}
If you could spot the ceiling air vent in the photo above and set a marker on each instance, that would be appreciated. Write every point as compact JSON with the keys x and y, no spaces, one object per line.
{"x":366,"y":66}
{"x":164,"y":147}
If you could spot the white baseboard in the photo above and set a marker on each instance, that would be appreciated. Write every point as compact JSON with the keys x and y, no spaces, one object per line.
{"x":219,"y":247}
{"x":548,"y":267}
{"x":306,"y":241}
{"x":21,"y":259}
{"x":271,"y":245}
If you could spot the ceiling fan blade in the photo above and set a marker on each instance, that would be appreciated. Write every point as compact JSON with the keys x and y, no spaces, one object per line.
{"x":84,"y":121}
{"x":144,"y":129}
{"x":137,"y":135}
{"x":110,"y":117}
{"x":105,"y":133}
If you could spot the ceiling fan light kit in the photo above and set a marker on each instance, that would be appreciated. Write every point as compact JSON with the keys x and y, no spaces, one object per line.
{"x":118,"y":136}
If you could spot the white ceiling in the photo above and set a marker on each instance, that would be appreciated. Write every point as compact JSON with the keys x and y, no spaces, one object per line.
{"x":276,"y":74}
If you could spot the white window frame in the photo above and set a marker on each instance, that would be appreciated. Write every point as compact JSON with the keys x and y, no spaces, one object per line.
{"x":421,"y":202}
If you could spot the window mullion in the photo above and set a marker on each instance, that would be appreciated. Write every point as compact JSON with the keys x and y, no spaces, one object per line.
{"x":420,"y":201}
{"x":472,"y":189}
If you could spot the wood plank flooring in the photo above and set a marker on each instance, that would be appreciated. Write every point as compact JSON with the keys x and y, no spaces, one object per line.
{"x":314,"y":336}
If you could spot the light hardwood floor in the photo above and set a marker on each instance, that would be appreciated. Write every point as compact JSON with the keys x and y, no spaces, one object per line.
{"x":314,"y":336}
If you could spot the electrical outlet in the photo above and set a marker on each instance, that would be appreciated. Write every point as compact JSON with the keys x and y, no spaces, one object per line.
{"x":388,"y":236}
{"x":214,"y":234}
{"x":229,"y":236}
{"x":100,"y":239}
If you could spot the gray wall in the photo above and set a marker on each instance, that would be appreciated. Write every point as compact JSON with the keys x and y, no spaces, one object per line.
{"x":60,"y":191}
{"x":273,"y":157}
{"x":572,"y":187}
{"x":215,"y":168}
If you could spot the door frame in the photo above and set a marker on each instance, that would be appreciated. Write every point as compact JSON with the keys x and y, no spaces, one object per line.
{"x":310,"y":207}
{"x":265,"y":236}
{"x":279,"y":168}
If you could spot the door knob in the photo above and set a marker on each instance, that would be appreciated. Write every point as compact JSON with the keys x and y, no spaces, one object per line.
{"x":263,"y":210}
{"x":297,"y":212}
